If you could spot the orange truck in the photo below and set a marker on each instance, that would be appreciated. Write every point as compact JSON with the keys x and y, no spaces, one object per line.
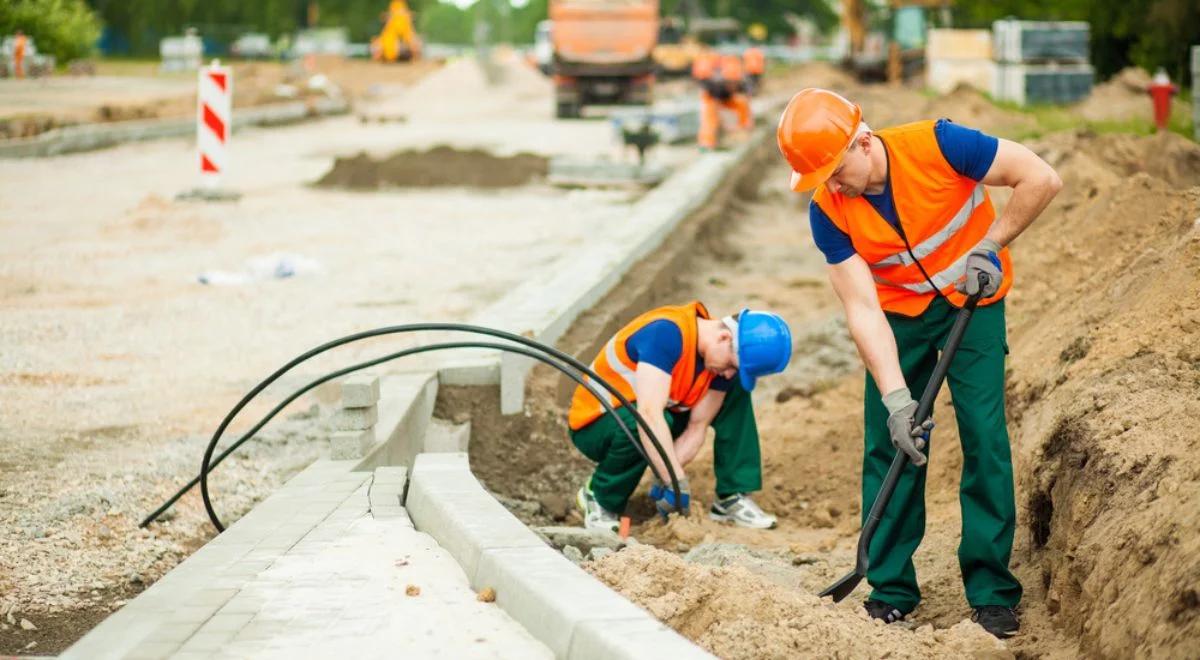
{"x":603,"y":52}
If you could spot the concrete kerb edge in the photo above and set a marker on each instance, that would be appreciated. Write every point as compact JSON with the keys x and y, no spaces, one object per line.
{"x":514,"y":369}
{"x":496,"y":550}
{"x":90,"y":137}
{"x":255,"y":541}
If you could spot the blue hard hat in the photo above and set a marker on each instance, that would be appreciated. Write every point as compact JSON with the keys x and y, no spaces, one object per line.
{"x":764,"y":346}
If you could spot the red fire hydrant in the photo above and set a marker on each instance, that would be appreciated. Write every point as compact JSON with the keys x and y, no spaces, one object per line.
{"x":1161,"y":90}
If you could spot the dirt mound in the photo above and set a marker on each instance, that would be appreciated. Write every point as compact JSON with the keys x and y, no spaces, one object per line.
{"x":1096,"y":161}
{"x":439,"y":166}
{"x":1123,"y":97}
{"x":505,"y":85}
{"x":1106,"y":367}
{"x":736,"y":614}
{"x":967,"y":106}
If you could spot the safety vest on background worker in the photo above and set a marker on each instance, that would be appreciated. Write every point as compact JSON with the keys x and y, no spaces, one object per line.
{"x":944,"y":215}
{"x":755,"y":61}
{"x":614,"y":365}
{"x":18,"y":47}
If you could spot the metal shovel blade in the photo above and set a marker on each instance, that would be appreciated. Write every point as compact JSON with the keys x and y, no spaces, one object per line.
{"x":843,"y":587}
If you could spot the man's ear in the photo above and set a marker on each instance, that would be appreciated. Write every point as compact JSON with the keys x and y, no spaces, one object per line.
{"x":864,"y":142}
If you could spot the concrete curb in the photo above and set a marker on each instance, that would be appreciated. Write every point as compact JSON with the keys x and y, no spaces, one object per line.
{"x":183,"y":600}
{"x":544,"y":310}
{"x":557,"y":602}
{"x":89,"y":137}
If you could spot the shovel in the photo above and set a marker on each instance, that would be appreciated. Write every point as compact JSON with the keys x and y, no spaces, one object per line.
{"x":844,"y":586}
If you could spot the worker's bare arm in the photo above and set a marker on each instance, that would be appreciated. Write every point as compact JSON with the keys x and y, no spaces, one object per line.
{"x":653,"y":389}
{"x":689,"y":443}
{"x":869,"y":328}
{"x":1034,"y":184}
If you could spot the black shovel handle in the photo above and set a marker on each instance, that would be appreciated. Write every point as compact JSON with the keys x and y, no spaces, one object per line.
{"x":924,"y":410}
{"x":845,"y":585}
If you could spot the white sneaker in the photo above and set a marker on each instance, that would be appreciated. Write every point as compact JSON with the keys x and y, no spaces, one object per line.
{"x":596,"y":517}
{"x":743,"y":512}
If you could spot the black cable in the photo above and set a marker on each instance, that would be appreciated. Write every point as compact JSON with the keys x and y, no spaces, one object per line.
{"x":364,"y":365}
{"x":418,"y":327}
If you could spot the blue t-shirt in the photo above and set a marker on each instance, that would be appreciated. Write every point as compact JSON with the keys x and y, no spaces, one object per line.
{"x":968,"y":151}
{"x":661,"y":344}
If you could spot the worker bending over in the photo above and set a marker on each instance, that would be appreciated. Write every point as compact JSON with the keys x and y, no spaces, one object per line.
{"x":684,"y":371}
{"x":755,"y":62}
{"x":907,"y":228}
{"x":722,"y":85}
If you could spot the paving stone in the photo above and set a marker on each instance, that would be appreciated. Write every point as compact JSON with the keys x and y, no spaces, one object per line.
{"x":356,"y":419}
{"x":360,"y":391}
{"x":350,"y":444}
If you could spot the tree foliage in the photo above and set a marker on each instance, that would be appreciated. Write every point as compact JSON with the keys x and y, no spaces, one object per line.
{"x":66,"y":29}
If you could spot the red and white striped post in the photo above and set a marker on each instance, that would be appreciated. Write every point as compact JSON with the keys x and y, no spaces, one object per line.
{"x":214,"y":120}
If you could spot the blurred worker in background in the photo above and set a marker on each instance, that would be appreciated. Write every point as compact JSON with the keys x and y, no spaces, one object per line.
{"x":722,"y":85}
{"x":19,"y":44}
{"x":684,"y":371}
{"x":755,"y":62}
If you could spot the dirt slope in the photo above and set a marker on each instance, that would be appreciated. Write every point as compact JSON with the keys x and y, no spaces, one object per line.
{"x":1104,"y":331}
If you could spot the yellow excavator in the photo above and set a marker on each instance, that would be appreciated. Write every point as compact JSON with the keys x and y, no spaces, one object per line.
{"x":398,"y":41}
{"x":898,"y":60}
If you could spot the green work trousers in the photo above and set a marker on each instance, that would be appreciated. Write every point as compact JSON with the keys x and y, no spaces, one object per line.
{"x":619,"y":466}
{"x":976,"y":379}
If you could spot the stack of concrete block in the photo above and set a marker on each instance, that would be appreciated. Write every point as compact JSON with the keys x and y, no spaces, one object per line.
{"x":959,"y":57}
{"x":1041,"y":61}
{"x":355,"y":422}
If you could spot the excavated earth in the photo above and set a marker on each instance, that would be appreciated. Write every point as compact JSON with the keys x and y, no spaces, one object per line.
{"x":439,"y":166}
{"x":1104,"y":333}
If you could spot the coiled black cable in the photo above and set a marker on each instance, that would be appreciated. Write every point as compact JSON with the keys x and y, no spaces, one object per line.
{"x":207,"y":464}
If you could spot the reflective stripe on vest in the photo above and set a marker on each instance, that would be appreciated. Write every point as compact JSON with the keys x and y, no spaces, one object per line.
{"x":614,"y":365}
{"x":927,"y":246}
{"x":942,"y":216}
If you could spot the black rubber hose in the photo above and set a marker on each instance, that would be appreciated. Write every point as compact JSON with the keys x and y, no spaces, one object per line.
{"x":219,"y":458}
{"x":206,"y":466}
{"x":370,"y":363}
{"x":418,"y":327}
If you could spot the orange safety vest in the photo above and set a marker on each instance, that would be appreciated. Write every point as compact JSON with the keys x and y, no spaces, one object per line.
{"x":756,"y":62}
{"x":614,"y":365}
{"x":943,"y":216}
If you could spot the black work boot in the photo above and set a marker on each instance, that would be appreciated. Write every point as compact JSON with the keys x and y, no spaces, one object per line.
{"x":999,"y":620}
{"x":877,"y":609}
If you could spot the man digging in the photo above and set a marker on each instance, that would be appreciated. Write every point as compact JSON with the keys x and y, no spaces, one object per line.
{"x":907,"y":227}
{"x":685,"y":371}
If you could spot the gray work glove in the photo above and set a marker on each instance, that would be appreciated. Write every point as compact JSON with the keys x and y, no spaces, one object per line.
{"x":983,"y":259}
{"x":906,"y":436}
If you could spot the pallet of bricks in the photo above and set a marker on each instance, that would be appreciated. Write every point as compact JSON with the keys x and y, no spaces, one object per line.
{"x":1040,"y":62}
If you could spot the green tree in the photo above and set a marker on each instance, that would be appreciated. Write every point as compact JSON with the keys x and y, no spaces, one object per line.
{"x":446,"y":24}
{"x":66,"y":29}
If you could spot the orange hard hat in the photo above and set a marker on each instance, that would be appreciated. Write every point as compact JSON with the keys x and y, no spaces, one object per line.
{"x":815,"y":131}
{"x":704,"y":65}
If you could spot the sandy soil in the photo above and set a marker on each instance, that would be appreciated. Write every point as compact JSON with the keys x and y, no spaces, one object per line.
{"x":116,"y":363}
{"x":1103,"y":324}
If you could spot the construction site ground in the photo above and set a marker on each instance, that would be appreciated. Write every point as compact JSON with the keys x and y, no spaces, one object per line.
{"x":1103,"y":329}
{"x":116,"y":363}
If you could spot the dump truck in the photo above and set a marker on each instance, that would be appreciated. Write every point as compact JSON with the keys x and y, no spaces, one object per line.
{"x":602,"y":52}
